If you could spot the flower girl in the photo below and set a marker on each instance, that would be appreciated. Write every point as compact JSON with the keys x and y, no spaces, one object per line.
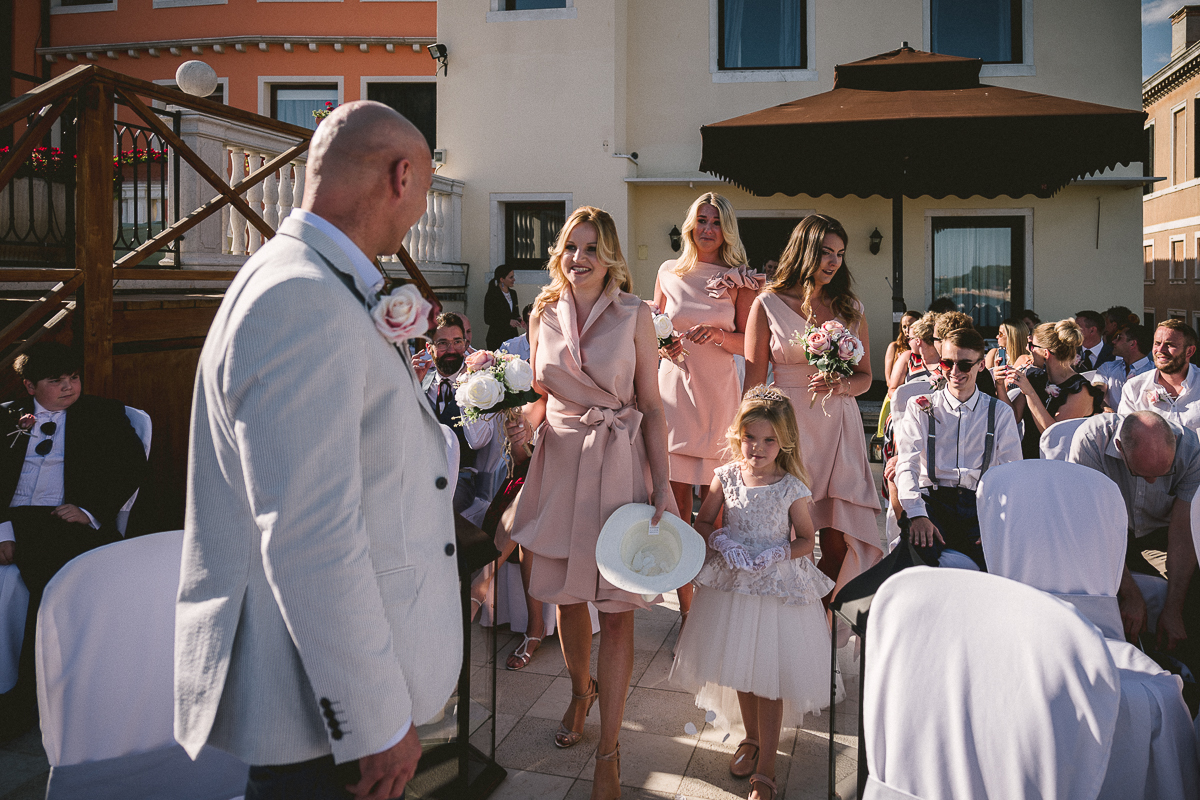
{"x":757,"y":642}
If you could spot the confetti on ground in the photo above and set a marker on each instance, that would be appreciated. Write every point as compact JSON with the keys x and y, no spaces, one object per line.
{"x":725,"y":739}
{"x":711,"y":716}
{"x":689,"y":729}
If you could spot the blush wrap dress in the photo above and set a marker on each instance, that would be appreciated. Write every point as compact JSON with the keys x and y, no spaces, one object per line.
{"x":700,"y":396}
{"x":833,"y":447}
{"x":590,"y":457}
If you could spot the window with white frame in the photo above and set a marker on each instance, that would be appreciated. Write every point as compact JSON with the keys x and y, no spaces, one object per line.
{"x":1179,"y":172}
{"x":1177,"y":249}
{"x":1196,"y":322}
{"x":529,"y":230}
{"x":530,"y":10}
{"x":296,"y":102}
{"x":1148,"y":260}
{"x":1177,"y":313}
{"x":1000,"y":32}
{"x":979,"y":260}
{"x":1148,"y":318}
{"x":532,"y":5}
{"x":1196,"y":259}
{"x":1148,"y":162}
{"x":762,"y":34}
{"x":76,"y":6}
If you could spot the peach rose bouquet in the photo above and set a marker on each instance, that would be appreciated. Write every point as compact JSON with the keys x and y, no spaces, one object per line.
{"x":832,"y":349}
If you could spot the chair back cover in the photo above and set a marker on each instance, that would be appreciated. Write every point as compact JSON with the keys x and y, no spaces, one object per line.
{"x":142,"y":426}
{"x":978,"y":686}
{"x":14,"y":601}
{"x":1055,"y":442}
{"x":105,"y":663}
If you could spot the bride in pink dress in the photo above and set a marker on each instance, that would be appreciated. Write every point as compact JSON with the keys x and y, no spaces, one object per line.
{"x":602,"y":443}
{"x":812,"y":286}
{"x":707,"y":293}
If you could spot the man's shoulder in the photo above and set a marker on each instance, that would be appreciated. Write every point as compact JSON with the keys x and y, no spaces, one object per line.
{"x":92,"y":405}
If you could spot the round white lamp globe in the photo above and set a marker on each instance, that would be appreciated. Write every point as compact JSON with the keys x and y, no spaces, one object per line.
{"x":196,"y":78}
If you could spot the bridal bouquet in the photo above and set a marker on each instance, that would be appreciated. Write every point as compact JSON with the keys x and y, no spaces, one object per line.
{"x":664,"y":329}
{"x":494,"y":383}
{"x":832,"y":349}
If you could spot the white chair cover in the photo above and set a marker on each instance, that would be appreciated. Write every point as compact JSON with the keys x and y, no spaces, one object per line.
{"x":976,"y":686}
{"x":1061,"y":527}
{"x":142,"y":426}
{"x":14,"y":602}
{"x":904,"y":392}
{"x":1056,"y":440}
{"x":105,"y":661}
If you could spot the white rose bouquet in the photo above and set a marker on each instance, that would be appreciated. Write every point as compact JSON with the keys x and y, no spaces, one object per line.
{"x":832,"y":349}
{"x":664,"y":329}
{"x":494,"y":383}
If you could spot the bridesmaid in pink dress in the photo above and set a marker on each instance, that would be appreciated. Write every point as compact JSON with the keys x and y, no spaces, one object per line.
{"x":707,"y":293}
{"x":602,"y":444}
{"x":812,"y":286}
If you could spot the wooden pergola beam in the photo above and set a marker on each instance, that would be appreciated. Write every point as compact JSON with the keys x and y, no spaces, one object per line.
{"x":93,"y":231}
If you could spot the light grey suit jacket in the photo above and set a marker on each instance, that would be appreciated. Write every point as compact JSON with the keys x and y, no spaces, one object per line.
{"x":318,"y":605}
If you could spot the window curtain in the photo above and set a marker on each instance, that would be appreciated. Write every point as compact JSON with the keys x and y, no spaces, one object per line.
{"x":973,"y":266}
{"x":972,"y":28}
{"x":763,"y":34}
{"x":297,"y":105}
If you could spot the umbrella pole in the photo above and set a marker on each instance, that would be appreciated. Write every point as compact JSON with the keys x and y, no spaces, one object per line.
{"x":898,"y":306}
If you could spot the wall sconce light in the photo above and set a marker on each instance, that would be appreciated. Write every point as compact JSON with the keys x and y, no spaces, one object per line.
{"x":439,"y":54}
{"x":676,"y":238}
{"x":876,"y":239}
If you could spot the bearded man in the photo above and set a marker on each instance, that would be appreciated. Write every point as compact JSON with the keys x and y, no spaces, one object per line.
{"x":1172,"y":388}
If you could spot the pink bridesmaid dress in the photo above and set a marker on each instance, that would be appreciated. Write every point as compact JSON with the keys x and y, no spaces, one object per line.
{"x":833,"y":447}
{"x":590,"y":458}
{"x":702,"y":395}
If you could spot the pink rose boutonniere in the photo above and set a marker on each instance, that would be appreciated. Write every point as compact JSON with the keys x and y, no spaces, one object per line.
{"x":1156,"y":394}
{"x":401,"y":315}
{"x":1053,"y":390}
{"x":924,"y":403}
{"x":24,"y":426}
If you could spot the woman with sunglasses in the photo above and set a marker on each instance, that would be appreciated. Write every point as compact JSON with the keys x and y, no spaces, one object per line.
{"x":1052,"y":390}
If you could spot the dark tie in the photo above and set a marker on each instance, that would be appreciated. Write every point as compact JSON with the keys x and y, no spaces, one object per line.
{"x":1086,"y":363}
{"x":444,"y":394}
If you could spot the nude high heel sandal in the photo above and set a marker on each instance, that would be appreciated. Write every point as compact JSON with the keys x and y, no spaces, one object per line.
{"x":565,"y":737}
{"x":610,"y":764}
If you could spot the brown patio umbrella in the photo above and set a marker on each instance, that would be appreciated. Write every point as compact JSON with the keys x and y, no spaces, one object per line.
{"x":911,"y":123}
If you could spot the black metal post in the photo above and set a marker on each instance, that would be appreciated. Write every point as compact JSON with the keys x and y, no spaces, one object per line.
{"x":897,"y":262}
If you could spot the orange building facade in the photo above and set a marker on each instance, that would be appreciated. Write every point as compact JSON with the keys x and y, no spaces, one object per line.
{"x":279,"y":58}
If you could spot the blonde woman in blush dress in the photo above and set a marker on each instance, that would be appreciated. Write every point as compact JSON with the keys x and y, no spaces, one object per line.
{"x":602,"y":444}
{"x":707,"y":293}
{"x":812,"y":286}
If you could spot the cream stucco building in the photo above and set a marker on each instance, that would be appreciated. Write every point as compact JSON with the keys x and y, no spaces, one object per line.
{"x":541,"y":110}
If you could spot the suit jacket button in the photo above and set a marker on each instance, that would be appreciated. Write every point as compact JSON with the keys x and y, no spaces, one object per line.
{"x":450,"y":549}
{"x":441,"y":483}
{"x":325,"y":704}
{"x":337,"y":735}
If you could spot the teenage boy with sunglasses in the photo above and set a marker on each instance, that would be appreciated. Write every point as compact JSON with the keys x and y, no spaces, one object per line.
{"x":944,"y":444}
{"x":68,"y":462}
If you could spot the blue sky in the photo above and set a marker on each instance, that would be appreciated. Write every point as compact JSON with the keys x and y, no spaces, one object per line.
{"x":1156,"y":33}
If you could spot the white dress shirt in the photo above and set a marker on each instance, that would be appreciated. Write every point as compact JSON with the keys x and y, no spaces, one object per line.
{"x":41,"y":481}
{"x":1113,"y":375}
{"x":1095,"y":351}
{"x":1184,"y":410}
{"x":373,"y":278}
{"x":961,"y":431}
{"x":518,"y":346}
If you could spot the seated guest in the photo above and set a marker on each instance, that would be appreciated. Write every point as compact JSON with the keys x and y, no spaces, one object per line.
{"x":920,"y":359}
{"x":1052,"y":391}
{"x":1095,"y":351}
{"x":1117,"y":319}
{"x":953,"y":321}
{"x":943,"y":447}
{"x":70,"y":463}
{"x":1156,"y":465}
{"x":474,"y":438}
{"x":1012,"y":345}
{"x":519,"y":345}
{"x":1131,"y":346}
{"x":1172,"y":388}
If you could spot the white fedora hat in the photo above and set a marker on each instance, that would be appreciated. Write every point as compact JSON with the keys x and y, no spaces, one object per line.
{"x":631,"y":559}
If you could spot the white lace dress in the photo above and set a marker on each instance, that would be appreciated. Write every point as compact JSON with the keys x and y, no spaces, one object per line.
{"x":763,"y":633}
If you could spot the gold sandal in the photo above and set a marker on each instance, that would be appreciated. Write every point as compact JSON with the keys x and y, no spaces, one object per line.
{"x":564,"y":737}
{"x":743,"y":766}
{"x":614,"y":756}
{"x":758,"y":777}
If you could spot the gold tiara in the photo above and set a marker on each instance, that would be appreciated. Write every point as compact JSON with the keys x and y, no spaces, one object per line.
{"x":768,"y":393}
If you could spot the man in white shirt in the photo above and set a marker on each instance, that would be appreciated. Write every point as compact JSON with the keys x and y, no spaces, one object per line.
{"x":1131,"y":346}
{"x":1095,"y":350}
{"x":519,"y":345}
{"x":944,"y":444}
{"x":1172,"y":389}
{"x":474,"y":454}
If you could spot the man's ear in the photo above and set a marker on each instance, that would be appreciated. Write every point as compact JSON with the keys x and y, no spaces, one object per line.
{"x":30,"y":387}
{"x":400,"y":178}
{"x":1191,"y":351}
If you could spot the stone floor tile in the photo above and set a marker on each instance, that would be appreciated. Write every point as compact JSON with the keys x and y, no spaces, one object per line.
{"x":530,"y":746}
{"x":515,"y":691}
{"x":650,"y":761}
{"x":582,"y":790}
{"x":554,"y":701}
{"x":655,"y":675}
{"x":481,"y":738}
{"x":710,"y":766}
{"x":662,"y":712}
{"x":524,"y":785}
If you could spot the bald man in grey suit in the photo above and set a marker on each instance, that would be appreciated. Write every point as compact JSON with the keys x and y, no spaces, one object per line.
{"x":318,"y":620}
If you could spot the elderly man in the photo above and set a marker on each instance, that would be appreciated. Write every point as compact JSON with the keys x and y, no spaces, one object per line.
{"x":1131,"y":346}
{"x":318,"y":620}
{"x":1172,"y":389}
{"x":1156,"y":465}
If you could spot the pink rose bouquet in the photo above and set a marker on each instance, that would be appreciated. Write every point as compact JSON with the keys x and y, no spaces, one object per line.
{"x":494,"y":382}
{"x":831,"y":348}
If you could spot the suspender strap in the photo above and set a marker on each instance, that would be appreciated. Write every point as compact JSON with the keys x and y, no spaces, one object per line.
{"x":989,"y":438}
{"x":931,"y":450}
